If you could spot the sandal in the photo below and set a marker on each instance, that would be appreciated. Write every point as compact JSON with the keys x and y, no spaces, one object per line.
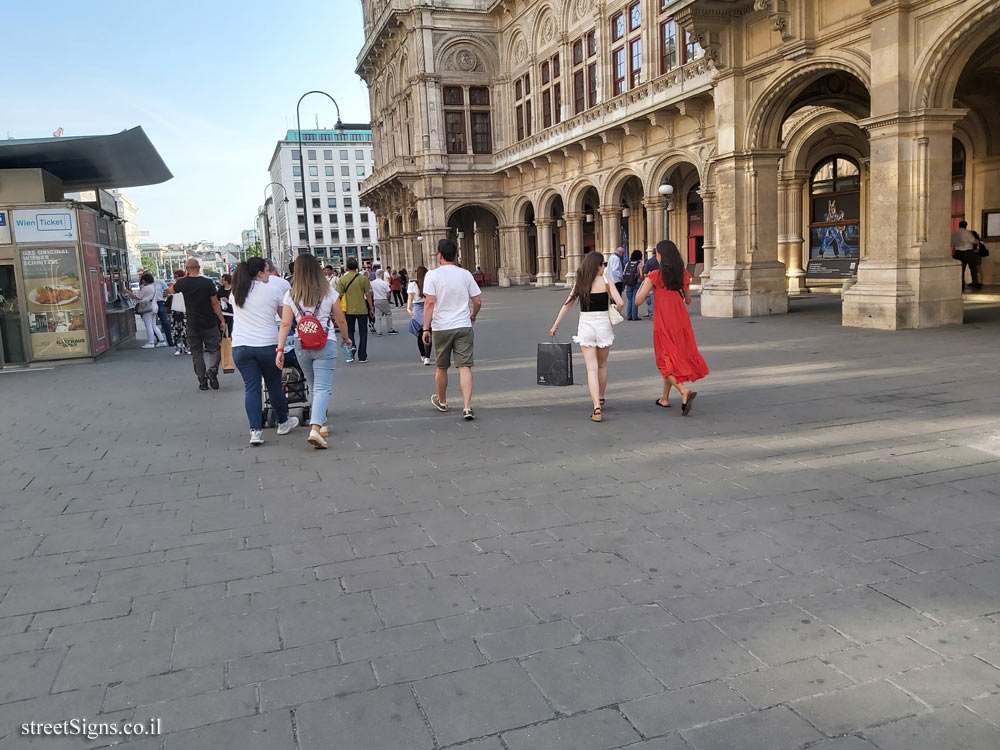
{"x":686,"y":406}
{"x":597,"y":416}
{"x":658,"y":403}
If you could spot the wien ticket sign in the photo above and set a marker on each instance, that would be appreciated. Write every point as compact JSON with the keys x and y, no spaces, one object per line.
{"x":44,"y":225}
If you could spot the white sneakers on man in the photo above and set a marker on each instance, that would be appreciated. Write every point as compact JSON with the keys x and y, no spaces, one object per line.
{"x":288,"y":425}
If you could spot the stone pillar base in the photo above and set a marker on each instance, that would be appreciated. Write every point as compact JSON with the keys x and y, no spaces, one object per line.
{"x":797,"y":282}
{"x":744,"y":291}
{"x":510,"y":277}
{"x":544,"y":279}
{"x":905,"y":294}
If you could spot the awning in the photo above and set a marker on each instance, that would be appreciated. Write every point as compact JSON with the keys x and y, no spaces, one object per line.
{"x":121,"y":160}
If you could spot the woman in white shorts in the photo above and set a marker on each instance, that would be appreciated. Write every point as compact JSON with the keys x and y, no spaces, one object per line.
{"x":595,"y":334}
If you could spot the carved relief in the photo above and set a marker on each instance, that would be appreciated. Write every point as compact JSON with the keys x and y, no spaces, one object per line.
{"x":548,"y":30}
{"x":777,"y":11}
{"x":582,"y":8}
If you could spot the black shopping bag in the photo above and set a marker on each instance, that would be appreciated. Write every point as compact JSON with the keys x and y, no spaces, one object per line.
{"x":555,"y":364}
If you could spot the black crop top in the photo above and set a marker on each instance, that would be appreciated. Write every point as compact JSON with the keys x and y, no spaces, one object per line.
{"x":598,"y":303}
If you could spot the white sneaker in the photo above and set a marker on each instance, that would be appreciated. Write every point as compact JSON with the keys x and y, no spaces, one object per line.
{"x":427,"y":360}
{"x":160,"y":343}
{"x":148,"y":346}
{"x":177,"y":352}
{"x":256,"y":437}
{"x":288,"y":425}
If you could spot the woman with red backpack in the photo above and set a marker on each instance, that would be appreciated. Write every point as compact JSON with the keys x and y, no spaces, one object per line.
{"x":311,"y":304}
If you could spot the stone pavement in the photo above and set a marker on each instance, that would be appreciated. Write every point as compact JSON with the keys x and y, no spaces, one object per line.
{"x":811,"y":560}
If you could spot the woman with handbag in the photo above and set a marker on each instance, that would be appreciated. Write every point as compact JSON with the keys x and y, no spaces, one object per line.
{"x":595,"y":334}
{"x":147,"y":310}
{"x":311,"y":303}
{"x":178,"y":317}
{"x":677,"y":355}
{"x":415,"y":307}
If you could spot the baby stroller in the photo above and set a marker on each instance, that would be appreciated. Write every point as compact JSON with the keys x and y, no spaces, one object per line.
{"x":296,"y":390}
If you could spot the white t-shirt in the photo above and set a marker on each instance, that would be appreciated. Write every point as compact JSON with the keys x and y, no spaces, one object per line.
{"x":380,"y":290}
{"x":283,"y":285}
{"x":452,"y":288}
{"x":413,"y":289}
{"x":322,"y":312}
{"x":255,"y":323}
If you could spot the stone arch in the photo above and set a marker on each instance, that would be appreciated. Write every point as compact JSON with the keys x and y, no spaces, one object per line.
{"x":520,"y":209}
{"x":763,"y":129}
{"x":414,"y":221}
{"x":404,"y":73}
{"x":575,"y":195}
{"x":612,"y":193}
{"x":546,"y":200}
{"x":493,"y":208}
{"x":517,"y":50}
{"x":666,"y":164}
{"x":939,"y":70}
{"x":546,"y":27}
{"x":466,"y":54}
{"x":826,"y":126}
{"x":399,"y":225}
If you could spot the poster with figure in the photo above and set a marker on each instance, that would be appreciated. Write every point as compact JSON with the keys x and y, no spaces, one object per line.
{"x":55,"y":302}
{"x":834,"y":234}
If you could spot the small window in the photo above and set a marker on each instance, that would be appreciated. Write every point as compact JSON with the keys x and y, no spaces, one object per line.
{"x":527,"y":84}
{"x":360,"y":169}
{"x":454,"y":126}
{"x":313,"y":187}
{"x":314,"y":171}
{"x":518,"y":90}
{"x":302,"y":218}
{"x":617,"y":26}
{"x":346,"y":186}
{"x":331,"y":187}
{"x":634,"y":17}
{"x":315,"y":202}
{"x":311,"y":153}
{"x":359,"y":154}
{"x":296,"y":171}
{"x":482,"y":139}
{"x":331,"y":202}
{"x":557,"y":102}
{"x":345,"y":171}
{"x":591,"y":44}
{"x":344,"y":155}
{"x":318,"y":234}
{"x":635,"y":62}
{"x":618,"y":70}
{"x":479,"y":96}
{"x":366,"y":234}
{"x":545,"y":73}
{"x":299,"y":203}
{"x":327,"y":154}
{"x":692,"y":50}
{"x":454,"y":96}
{"x":555,"y":65}
{"x":348,"y":218}
{"x":578,"y":52}
{"x":295,"y":154}
{"x":347,"y":202}
{"x":333,"y":218}
{"x":298,"y":187}
{"x":364,"y":218}
{"x":668,"y":46}
{"x":303,"y":235}
{"x":317,"y":218}
{"x":329,"y":170}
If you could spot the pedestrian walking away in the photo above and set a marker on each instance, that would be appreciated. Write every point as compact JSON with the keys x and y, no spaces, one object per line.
{"x":415,"y":307}
{"x":632,"y":277}
{"x":272,"y":269}
{"x":383,"y":309}
{"x":312,"y":302}
{"x":225,"y":290}
{"x":355,"y":291}
{"x":396,"y":286}
{"x":616,"y":269}
{"x":594,"y":334}
{"x":205,"y":323}
{"x":257,"y":301}
{"x":161,"y":309}
{"x":448,"y":293}
{"x":178,"y":318}
{"x":677,"y":355}
{"x":147,"y":310}
{"x":965,"y":248}
{"x":651,"y":264}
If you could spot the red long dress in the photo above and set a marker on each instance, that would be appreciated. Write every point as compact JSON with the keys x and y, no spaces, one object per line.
{"x":673,"y":338}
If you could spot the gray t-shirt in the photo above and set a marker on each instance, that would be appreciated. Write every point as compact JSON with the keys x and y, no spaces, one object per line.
{"x":963,"y":239}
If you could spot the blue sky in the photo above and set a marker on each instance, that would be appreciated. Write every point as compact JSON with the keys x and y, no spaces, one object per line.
{"x":214,"y":84}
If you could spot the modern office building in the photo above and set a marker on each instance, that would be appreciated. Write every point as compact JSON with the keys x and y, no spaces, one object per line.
{"x":249,"y":238}
{"x":324,"y":213}
{"x":779,"y":143}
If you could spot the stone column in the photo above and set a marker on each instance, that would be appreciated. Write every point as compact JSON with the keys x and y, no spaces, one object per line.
{"x":544,"y":227}
{"x":574,"y":245}
{"x":708,"y":219}
{"x":611,"y":229}
{"x":908,"y":279}
{"x":655,"y":227}
{"x":747,"y":278}
{"x":431,"y":237}
{"x":793,"y":238}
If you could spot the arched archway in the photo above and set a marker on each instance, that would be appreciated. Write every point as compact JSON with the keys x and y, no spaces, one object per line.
{"x":475,"y":229}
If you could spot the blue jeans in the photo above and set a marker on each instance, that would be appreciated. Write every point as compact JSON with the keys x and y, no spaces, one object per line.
{"x":164,"y":316}
{"x":631,"y":310}
{"x":318,"y":365}
{"x":256,"y":363}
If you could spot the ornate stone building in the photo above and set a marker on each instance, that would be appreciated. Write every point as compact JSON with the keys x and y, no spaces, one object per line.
{"x":851,"y":133}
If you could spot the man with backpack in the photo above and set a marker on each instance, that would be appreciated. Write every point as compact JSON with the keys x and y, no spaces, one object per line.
{"x":356,"y":301}
{"x":632,"y":278}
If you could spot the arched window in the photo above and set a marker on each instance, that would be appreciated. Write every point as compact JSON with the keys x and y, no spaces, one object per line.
{"x":835,"y":213}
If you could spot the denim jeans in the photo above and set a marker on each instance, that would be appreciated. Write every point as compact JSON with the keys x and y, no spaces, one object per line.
{"x":318,"y":365}
{"x":361,"y":338}
{"x":164,"y":316}
{"x":631,"y":310}
{"x":256,"y":363}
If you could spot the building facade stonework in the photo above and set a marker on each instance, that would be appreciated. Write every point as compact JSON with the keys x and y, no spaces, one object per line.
{"x":797,"y":137}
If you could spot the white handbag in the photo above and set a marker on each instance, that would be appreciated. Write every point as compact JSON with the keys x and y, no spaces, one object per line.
{"x":613,"y":315}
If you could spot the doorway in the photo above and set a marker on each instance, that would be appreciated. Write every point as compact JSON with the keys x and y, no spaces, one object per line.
{"x":11,"y":336}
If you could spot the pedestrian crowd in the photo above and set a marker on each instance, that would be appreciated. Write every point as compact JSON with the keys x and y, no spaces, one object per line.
{"x":282,"y":331}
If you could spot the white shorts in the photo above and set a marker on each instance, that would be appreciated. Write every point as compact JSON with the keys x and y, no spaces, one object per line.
{"x":595,"y":329}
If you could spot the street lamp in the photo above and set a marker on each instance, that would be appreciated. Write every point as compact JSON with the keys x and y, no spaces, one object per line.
{"x":267,"y":221}
{"x":666,"y":190}
{"x":338,"y":129}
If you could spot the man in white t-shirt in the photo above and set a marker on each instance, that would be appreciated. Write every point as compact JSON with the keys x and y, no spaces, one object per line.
{"x":448,"y":292}
{"x":380,"y":299}
{"x":283,"y":285}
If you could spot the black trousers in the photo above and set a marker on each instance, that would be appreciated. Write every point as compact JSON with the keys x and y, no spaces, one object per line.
{"x":361,"y":339}
{"x":970,"y":259}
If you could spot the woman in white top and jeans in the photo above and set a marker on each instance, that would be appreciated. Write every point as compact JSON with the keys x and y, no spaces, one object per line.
{"x":312,"y":293}
{"x":256,"y":303}
{"x":147,"y":309}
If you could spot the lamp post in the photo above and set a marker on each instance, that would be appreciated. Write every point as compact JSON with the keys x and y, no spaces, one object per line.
{"x":666,"y":190}
{"x":267,"y":221}
{"x":338,"y":129}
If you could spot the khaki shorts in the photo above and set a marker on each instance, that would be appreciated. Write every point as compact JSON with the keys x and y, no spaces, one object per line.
{"x":458,"y":340}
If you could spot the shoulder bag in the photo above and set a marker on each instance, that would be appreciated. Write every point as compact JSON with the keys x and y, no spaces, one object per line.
{"x":613,"y":315}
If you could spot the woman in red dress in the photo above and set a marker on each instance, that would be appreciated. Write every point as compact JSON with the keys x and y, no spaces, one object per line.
{"x":677,"y":356}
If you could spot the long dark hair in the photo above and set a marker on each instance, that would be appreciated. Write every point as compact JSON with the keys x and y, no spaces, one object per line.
{"x":589,"y":270}
{"x":243,"y":278}
{"x":671,"y":265}
{"x":421,"y":272}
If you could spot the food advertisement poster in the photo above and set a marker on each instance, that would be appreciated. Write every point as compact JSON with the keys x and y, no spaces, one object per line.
{"x":54,"y":292}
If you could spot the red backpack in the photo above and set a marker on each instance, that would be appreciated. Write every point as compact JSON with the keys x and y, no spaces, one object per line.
{"x":312,"y":334}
